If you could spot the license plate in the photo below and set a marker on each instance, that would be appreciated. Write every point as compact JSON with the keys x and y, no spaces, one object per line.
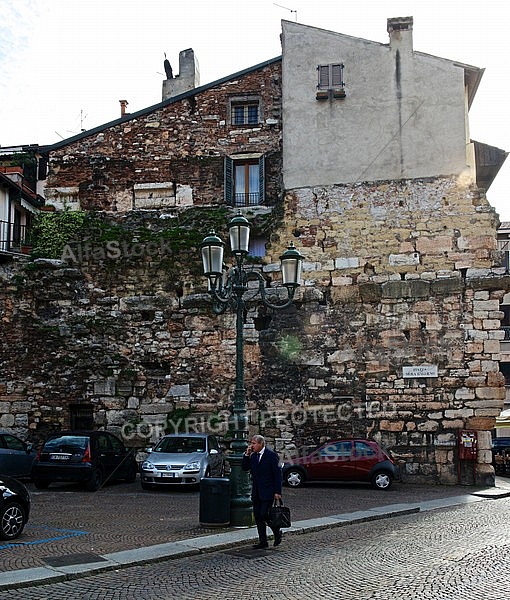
{"x":167,"y":474}
{"x":60,"y":456}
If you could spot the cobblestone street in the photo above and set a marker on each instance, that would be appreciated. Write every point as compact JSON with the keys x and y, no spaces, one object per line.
{"x":445,"y":554}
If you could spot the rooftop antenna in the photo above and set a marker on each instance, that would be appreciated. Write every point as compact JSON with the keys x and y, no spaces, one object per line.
{"x":286,"y":8}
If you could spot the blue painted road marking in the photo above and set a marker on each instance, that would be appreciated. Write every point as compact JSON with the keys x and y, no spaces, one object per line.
{"x":60,"y":534}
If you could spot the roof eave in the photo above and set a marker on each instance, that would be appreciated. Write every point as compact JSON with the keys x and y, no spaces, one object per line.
{"x":158,"y":106}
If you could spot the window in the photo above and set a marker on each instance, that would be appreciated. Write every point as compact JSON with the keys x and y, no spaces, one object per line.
{"x":505,"y":369}
{"x":245,"y":114}
{"x":244,"y":110}
{"x":503,"y":246}
{"x":330,"y":76}
{"x":13,"y":443}
{"x":505,"y":321}
{"x":81,"y":416}
{"x":337,"y":450}
{"x":330,"y":81}
{"x":244,"y":181}
{"x":257,"y":247}
{"x":363,"y":450}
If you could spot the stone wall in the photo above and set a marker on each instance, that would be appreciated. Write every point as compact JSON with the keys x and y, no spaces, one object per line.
{"x":147,"y":354}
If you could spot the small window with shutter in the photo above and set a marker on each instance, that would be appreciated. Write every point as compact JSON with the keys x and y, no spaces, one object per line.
{"x":330,"y":81}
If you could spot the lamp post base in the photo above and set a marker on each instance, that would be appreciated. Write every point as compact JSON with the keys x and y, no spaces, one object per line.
{"x":241,"y":508}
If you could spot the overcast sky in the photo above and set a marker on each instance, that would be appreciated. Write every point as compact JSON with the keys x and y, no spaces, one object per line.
{"x":65,"y":64}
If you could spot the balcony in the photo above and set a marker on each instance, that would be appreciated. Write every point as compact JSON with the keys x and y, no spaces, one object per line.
{"x":252,"y":199}
{"x":14,"y":238}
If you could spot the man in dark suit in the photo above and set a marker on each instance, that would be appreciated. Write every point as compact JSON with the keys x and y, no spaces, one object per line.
{"x":266,"y":476}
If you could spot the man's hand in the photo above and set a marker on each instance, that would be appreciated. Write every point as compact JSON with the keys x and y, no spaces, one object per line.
{"x":277,"y":496}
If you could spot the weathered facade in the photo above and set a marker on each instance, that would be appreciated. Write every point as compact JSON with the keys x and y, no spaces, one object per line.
{"x":395,"y":333}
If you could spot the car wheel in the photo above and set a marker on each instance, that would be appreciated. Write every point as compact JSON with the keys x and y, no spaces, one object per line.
{"x":131,"y":476}
{"x":294,"y":477}
{"x":41,"y":484}
{"x":95,"y":481}
{"x":12,"y":521}
{"x":381,"y":480}
{"x":147,"y":486}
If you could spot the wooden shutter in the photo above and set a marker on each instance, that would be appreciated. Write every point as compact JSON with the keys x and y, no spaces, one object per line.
{"x":330,"y":76}
{"x":262,"y":180}
{"x":323,"y":71}
{"x":229,"y":181}
{"x":336,"y":76}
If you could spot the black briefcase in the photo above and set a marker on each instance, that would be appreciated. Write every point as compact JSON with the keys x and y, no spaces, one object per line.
{"x":278,"y":515}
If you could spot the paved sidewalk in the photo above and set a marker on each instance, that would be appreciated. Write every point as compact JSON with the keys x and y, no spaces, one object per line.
{"x":91,"y":563}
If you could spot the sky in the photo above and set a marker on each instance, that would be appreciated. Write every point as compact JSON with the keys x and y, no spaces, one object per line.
{"x":65,"y":64}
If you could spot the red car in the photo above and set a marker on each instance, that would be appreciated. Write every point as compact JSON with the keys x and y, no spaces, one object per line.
{"x":343,"y":460}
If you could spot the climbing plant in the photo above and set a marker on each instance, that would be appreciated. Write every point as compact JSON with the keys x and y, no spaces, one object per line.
{"x":53,"y":230}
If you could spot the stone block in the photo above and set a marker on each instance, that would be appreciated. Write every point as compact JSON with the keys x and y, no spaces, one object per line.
{"x":179,"y":390}
{"x":405,"y":289}
{"x":105,"y":387}
{"x":409,"y":259}
{"x":7,"y":420}
{"x":490,"y":393}
{"x":481,"y":423}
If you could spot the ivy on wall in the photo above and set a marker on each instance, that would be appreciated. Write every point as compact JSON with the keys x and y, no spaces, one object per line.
{"x":53,"y":230}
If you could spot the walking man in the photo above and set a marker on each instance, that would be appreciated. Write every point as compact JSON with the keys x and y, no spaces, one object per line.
{"x":266,"y":476}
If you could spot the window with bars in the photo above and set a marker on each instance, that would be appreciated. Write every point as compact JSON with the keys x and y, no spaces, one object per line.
{"x":244,"y":110}
{"x":504,"y":248}
{"x":245,"y":114}
{"x":244,"y":181}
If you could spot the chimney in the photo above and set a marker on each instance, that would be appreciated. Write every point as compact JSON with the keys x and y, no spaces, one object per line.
{"x":187,"y":79}
{"x":400,"y":30}
{"x":123,"y":104}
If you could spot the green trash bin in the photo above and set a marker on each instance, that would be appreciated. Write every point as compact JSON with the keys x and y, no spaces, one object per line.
{"x":215,"y":501}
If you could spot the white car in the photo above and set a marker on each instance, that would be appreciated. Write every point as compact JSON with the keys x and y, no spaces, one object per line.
{"x":182,"y":459}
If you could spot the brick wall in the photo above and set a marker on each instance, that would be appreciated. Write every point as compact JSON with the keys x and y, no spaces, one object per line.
{"x":183,"y":143}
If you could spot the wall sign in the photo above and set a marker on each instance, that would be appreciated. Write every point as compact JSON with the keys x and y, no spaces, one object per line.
{"x":419,"y":371}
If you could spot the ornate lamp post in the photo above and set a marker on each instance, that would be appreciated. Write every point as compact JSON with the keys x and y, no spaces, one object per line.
{"x":227,"y":288}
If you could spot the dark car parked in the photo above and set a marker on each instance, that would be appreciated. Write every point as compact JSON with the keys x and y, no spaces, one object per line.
{"x":14,"y":507}
{"x":16,"y":456}
{"x":343,"y":460}
{"x":88,"y":457}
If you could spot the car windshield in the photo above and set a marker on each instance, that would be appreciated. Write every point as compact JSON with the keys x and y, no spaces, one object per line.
{"x":181,"y":445}
{"x":66,"y":443}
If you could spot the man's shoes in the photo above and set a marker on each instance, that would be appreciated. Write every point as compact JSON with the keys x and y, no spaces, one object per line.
{"x":277,"y":538}
{"x":260,"y":545}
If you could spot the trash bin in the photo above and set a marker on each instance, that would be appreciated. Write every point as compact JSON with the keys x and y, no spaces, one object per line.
{"x":215,"y":501}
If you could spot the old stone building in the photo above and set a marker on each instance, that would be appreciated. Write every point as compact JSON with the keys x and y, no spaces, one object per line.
{"x":360,"y":153}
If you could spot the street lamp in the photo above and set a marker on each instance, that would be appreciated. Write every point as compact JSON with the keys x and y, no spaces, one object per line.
{"x":227,"y":288}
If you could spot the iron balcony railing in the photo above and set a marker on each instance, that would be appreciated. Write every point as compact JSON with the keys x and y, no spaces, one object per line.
{"x":13,"y":236}
{"x":506,"y":329}
{"x":252,"y":199}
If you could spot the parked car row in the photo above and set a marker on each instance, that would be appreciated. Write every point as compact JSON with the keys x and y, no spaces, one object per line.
{"x":94,"y":457}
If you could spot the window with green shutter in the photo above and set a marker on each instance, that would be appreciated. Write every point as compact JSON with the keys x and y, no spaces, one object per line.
{"x":244,"y":181}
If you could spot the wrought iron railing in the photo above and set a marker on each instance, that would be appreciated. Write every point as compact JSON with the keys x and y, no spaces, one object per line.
{"x":252,"y":199}
{"x":506,"y":329}
{"x":13,"y":236}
